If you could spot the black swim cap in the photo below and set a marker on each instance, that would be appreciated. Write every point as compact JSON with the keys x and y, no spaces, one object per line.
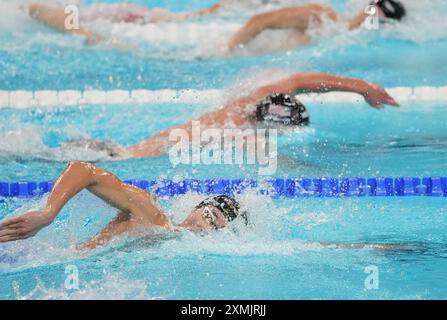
{"x":229,"y":207}
{"x":290,"y":112}
{"x":391,"y":9}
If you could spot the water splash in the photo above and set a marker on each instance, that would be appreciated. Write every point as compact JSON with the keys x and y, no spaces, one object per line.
{"x":114,"y":286}
{"x":207,"y":37}
{"x":25,"y":141}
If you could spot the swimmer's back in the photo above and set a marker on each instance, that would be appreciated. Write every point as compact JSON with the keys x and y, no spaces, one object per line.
{"x":122,"y":12}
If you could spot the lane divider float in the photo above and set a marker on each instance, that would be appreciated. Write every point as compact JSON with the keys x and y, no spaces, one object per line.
{"x":275,"y":187}
{"x":22,"y":99}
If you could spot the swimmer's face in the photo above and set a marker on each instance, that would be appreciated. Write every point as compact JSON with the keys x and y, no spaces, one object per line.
{"x":206,"y":218}
{"x":280,"y":128}
{"x":380,"y":13}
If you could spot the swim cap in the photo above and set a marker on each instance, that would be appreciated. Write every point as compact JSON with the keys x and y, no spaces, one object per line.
{"x":229,"y":207}
{"x":391,"y":9}
{"x":282,"y":108}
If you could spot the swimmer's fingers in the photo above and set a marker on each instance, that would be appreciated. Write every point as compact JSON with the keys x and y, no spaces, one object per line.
{"x":378,"y":100}
{"x":11,"y":223}
{"x":376,"y":104}
{"x":390,"y":101}
{"x":26,"y":225}
{"x":8,"y":234}
{"x":377,"y":97}
{"x":12,"y":230}
{"x":14,"y":234}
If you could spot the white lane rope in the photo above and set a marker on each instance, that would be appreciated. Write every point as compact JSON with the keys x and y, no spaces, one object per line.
{"x":21,"y":99}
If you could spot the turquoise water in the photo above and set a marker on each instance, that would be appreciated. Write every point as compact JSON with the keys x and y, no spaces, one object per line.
{"x":279,"y":256}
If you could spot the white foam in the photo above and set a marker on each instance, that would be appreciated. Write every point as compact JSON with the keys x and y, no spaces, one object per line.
{"x":112,"y":287}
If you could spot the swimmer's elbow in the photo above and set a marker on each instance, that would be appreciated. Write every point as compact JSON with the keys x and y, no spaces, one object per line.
{"x":322,"y":8}
{"x":80,"y":166}
{"x":82,"y":169}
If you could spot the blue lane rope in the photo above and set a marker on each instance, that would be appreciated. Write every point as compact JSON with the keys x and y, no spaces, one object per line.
{"x":275,"y":187}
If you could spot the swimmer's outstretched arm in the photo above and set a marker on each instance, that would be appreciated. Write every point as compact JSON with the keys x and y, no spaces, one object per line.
{"x":307,"y":82}
{"x":137,"y":207}
{"x":297,"y":17}
{"x":55,"y":18}
{"x":205,"y":12}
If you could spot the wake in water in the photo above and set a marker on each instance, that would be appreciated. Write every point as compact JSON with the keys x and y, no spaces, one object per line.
{"x":27,"y":142}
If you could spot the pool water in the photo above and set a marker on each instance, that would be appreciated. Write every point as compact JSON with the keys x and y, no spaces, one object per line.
{"x":279,"y":257}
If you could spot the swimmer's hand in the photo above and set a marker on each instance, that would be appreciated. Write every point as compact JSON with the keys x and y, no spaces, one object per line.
{"x":24,"y":226}
{"x":377,"y":97}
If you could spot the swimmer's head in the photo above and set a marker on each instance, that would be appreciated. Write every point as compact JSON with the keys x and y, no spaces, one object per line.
{"x":282,"y":109}
{"x":391,"y":9}
{"x":214,"y":213}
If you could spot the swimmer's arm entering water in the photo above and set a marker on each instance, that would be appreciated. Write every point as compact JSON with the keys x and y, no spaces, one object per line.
{"x":307,"y":82}
{"x":296,"y":17}
{"x":206,"y":12}
{"x":54,"y":17}
{"x":137,"y":207}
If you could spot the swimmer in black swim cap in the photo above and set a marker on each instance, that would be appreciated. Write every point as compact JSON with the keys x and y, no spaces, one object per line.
{"x":302,"y":17}
{"x":138,"y":212}
{"x":391,"y":9}
{"x":282,"y":109}
{"x":137,"y":208}
{"x":229,"y":207}
{"x":273,"y":104}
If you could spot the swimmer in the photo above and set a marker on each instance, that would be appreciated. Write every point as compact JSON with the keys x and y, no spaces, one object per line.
{"x":272,"y":105}
{"x":301,"y":17}
{"x":137,"y":211}
{"x":54,"y":16}
{"x":137,"y":208}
